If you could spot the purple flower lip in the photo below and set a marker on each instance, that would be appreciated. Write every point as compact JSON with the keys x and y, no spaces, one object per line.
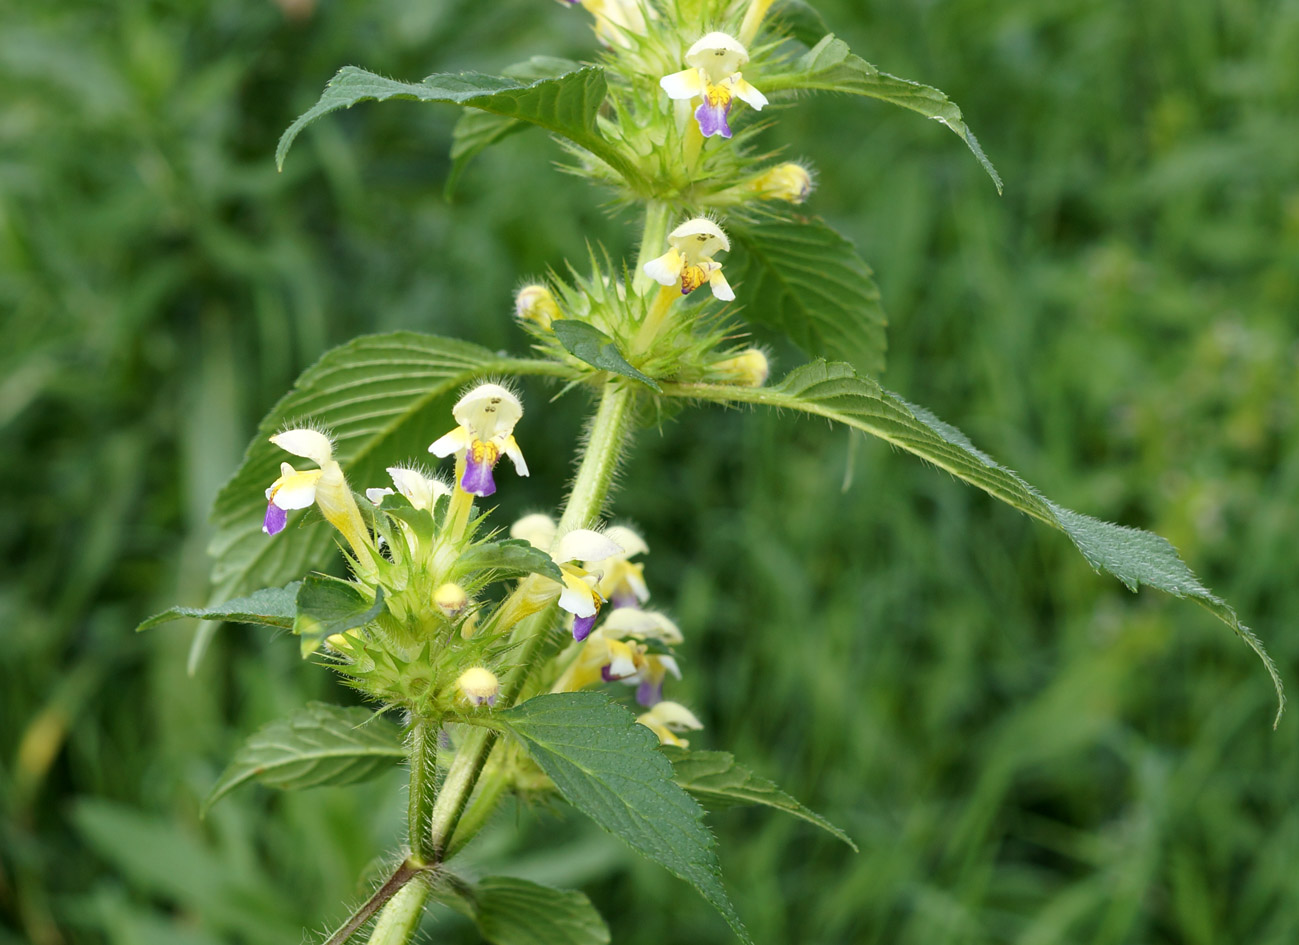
{"x":712,"y":119}
{"x":275,"y":520}
{"x":649,"y":694}
{"x":477,"y":479}
{"x":582,"y":627}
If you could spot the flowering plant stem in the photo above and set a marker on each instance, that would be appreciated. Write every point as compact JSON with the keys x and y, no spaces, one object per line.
{"x":434,"y":823}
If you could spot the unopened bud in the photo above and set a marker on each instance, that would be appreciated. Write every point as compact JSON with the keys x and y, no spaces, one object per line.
{"x":479,"y":686}
{"x":534,"y":303}
{"x":451,"y":599}
{"x":789,"y":181}
{"x":747,"y":369}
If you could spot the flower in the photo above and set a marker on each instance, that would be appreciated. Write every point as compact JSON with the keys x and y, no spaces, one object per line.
{"x":581,"y":596}
{"x":615,"y":20}
{"x":487,"y":415}
{"x":668,"y":718}
{"x":690,"y":259}
{"x":579,"y":593}
{"x":623,"y":583}
{"x":421,"y":491}
{"x":714,"y":77}
{"x":535,"y":303}
{"x":451,"y":599}
{"x":749,"y":368}
{"x":326,"y":487}
{"x":790,"y":182}
{"x":479,"y":686}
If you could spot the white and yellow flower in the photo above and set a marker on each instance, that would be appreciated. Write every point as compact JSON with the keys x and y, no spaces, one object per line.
{"x":749,"y":368}
{"x":690,"y":261}
{"x":616,"y":21}
{"x":666,"y":719}
{"x":791,"y":182}
{"x":579,"y":593}
{"x":326,"y":487}
{"x":487,"y":416}
{"x":715,"y":78}
{"x":421,"y":491}
{"x":536,"y":303}
{"x":478,"y":686}
{"x":623,"y":581}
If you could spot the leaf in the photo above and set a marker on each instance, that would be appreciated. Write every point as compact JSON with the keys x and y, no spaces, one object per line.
{"x":511,"y":558}
{"x":609,"y":768}
{"x":269,"y":607}
{"x":476,"y":130}
{"x":327,"y":605}
{"x":322,"y":744}
{"x":804,"y":279}
{"x":1134,"y":556}
{"x":830,"y":66}
{"x":588,"y":343}
{"x":511,"y":911}
{"x":800,"y":21}
{"x":383,"y":399}
{"x":565,"y":105}
{"x":718,"y":782}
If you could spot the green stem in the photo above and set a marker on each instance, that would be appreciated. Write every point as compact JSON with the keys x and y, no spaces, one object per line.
{"x":653,"y":242}
{"x":400,"y":917}
{"x":423,"y":770}
{"x":605,"y":441}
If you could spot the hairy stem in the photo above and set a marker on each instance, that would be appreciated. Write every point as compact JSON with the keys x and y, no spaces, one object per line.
{"x":400,"y":917}
{"x":403,"y":875}
{"x":423,"y":770}
{"x":653,"y":242}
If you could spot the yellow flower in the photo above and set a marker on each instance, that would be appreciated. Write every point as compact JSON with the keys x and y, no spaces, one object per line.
{"x":623,"y":582}
{"x":789,"y":182}
{"x":747,"y":369}
{"x":487,"y":415}
{"x":616,"y":21}
{"x":326,"y":487}
{"x":535,"y":303}
{"x":579,"y":593}
{"x":668,"y":718}
{"x":714,"y":77}
{"x":479,"y":686}
{"x":690,"y":259}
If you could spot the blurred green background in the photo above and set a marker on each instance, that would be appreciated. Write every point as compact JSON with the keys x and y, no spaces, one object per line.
{"x":1025,"y":752}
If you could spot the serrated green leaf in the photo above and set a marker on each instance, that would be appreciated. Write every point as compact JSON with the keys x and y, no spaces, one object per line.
{"x":383,"y":398}
{"x":565,"y":105}
{"x":269,"y":607}
{"x":830,"y":66}
{"x":804,"y":279}
{"x":510,"y":911}
{"x":327,"y":605}
{"x":476,"y":130}
{"x":714,"y":778}
{"x":588,"y":343}
{"x":609,"y":768}
{"x":322,"y":744}
{"x":1135,"y":557}
{"x":511,"y":558}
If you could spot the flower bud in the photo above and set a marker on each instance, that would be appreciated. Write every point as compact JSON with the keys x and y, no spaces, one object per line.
{"x":789,"y":182}
{"x":534,"y":303}
{"x":451,"y":599}
{"x":747,"y":369}
{"x":479,"y":686}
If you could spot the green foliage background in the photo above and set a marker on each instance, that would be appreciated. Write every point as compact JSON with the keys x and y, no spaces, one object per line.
{"x":1025,"y":752}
